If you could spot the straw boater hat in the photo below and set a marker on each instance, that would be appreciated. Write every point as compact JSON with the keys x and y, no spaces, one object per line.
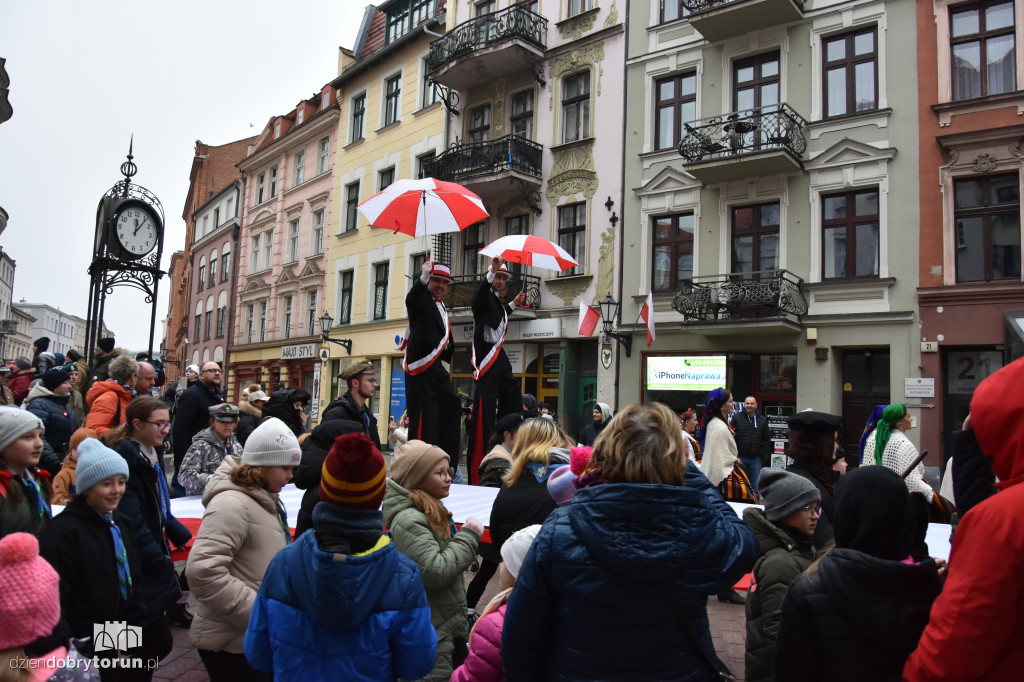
{"x":441,"y":272}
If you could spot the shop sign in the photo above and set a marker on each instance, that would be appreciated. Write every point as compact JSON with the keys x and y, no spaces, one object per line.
{"x":314,"y":411}
{"x":397,"y":393}
{"x":299,"y":351}
{"x":514,"y":351}
{"x":685,"y":372}
{"x":778,"y":429}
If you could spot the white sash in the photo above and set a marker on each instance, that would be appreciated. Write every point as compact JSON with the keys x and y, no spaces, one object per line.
{"x":424,"y":363}
{"x":480,"y":370}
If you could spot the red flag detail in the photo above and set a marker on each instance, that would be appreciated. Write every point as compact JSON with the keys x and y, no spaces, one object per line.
{"x":588,"y":320}
{"x":647,"y":312}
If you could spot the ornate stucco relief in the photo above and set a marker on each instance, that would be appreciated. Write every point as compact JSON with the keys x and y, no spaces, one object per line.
{"x":572,"y":61}
{"x":606,"y":264}
{"x":572,"y":171}
{"x":568,"y":288}
{"x":574,"y":28}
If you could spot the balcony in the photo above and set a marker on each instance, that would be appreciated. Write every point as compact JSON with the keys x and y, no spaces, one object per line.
{"x":488,"y":167}
{"x":720,"y":19}
{"x":769,"y":301}
{"x":8,"y":326}
{"x":488,"y":47}
{"x":744,"y":144}
{"x":460,"y":293}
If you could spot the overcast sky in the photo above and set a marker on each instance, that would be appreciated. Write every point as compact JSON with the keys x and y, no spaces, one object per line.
{"x":85,"y":76}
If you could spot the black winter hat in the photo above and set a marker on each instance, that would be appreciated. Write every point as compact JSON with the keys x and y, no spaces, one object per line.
{"x":106,"y":344}
{"x":54,"y":378}
{"x":74,"y":355}
{"x":42,"y":343}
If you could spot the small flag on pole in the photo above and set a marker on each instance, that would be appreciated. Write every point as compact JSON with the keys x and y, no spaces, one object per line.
{"x":588,"y":319}
{"x":647,"y":312}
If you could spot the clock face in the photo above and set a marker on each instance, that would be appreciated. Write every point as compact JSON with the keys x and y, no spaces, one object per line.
{"x":137,"y":229}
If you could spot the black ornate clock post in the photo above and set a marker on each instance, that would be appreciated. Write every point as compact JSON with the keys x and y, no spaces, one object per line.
{"x":127,"y":248}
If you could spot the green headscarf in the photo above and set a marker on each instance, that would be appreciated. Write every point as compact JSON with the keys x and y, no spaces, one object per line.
{"x":891,"y":416}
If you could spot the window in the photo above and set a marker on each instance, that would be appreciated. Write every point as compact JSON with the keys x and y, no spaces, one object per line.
{"x":393,"y":90}
{"x":675,"y":103}
{"x":358,"y":117}
{"x":418,"y":260}
{"x":254,"y":265}
{"x":312,"y":321}
{"x":249,"y":323}
{"x":756,"y":82}
{"x":225,"y":265}
{"x":213,"y":270}
{"x":273,"y":182}
{"x":576,"y":107}
{"x":277,"y":130}
{"x":425,"y":165}
{"x":850,"y":235}
{"x":293,"y":240}
{"x":851,"y":73}
{"x":216,"y":218}
{"x":201,"y":279}
{"x":230,"y":204}
{"x":755,"y":239}
{"x":428,"y":92}
{"x":673,"y":251}
{"x":403,"y":15}
{"x":268,"y":239}
{"x":480,"y":123}
{"x":222,"y":315}
{"x":261,"y":183}
{"x":519,"y":224}
{"x":207,"y":324}
{"x":198,"y":324}
{"x":987,"y":217}
{"x":579,"y":6}
{"x":351,"y":201}
{"x":522,"y":114}
{"x":345,"y":314}
{"x":672,"y":10}
{"x":300,"y":162}
{"x":325,"y":155}
{"x":380,"y":291}
{"x":572,"y":234}
{"x":486,"y":7}
{"x":472,"y":242}
{"x":982,"y":42}
{"x":300,"y":115}
{"x":263,"y":320}
{"x":325,"y":101}
{"x":287,"y":317}
{"x":385,"y":178}
{"x":317,"y":236}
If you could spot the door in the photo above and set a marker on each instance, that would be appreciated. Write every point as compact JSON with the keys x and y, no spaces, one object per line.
{"x":586,"y":396}
{"x":865,"y":385}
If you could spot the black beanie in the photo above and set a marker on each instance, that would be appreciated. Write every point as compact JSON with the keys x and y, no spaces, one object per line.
{"x":74,"y":355}
{"x":42,"y":343}
{"x":106,"y":344}
{"x":54,"y":378}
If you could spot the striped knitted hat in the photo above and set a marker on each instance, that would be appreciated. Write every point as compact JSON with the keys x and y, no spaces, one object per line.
{"x":353,"y":473}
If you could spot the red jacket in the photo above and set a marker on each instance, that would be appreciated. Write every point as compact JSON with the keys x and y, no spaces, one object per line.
{"x":976,"y":627}
{"x":102,"y":399}
{"x":20,"y":384}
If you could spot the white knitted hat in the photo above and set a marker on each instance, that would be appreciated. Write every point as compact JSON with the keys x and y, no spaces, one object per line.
{"x":272,"y":443}
{"x":515,"y":548}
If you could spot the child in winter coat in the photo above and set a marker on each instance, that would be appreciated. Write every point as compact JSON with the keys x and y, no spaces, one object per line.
{"x":25,"y":491}
{"x":209,"y":448}
{"x":483,"y":664}
{"x":423,"y":530}
{"x":783,"y":530}
{"x":92,"y":547}
{"x":64,"y":484}
{"x":342,"y":602}
{"x":244,"y":526}
{"x":35,"y":644}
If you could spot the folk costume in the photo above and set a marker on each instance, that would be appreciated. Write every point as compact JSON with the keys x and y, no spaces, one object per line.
{"x":497,"y":391}
{"x":434,"y":407}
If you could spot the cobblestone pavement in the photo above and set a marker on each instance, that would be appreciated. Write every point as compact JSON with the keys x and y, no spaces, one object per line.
{"x":728,"y":632}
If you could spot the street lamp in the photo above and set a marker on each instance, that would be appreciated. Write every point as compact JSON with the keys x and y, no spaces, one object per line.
{"x":163,"y":356}
{"x":609,"y":311}
{"x":325,"y":328}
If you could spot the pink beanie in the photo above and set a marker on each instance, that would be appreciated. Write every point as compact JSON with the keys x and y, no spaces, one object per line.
{"x":30,"y":599}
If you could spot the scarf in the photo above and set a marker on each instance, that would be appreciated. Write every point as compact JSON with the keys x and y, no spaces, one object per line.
{"x":32,"y":489}
{"x":346,"y":531}
{"x":282,"y":514}
{"x":876,"y":414}
{"x":891,"y":415}
{"x":716,"y":399}
{"x":124,"y":576}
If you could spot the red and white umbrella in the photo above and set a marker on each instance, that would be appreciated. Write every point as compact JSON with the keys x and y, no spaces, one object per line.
{"x":422,"y":207}
{"x":529,"y":249}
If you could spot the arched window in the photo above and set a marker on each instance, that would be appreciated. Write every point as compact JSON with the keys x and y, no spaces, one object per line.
{"x":206,"y":355}
{"x":218,"y":354}
{"x":222,"y":314}
{"x":197,"y":325}
{"x":201,"y":275}
{"x":208,"y":319}
{"x":213,"y":269}
{"x":195,"y":357}
{"x":225,"y":262}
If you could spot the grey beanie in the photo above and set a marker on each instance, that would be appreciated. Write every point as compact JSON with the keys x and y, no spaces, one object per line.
{"x":96,"y":462}
{"x":14,"y":423}
{"x":271,"y":444}
{"x":784,"y":492}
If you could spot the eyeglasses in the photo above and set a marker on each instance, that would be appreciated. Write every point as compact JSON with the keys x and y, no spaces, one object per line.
{"x":813,"y":508}
{"x":215,"y":371}
{"x":444,"y":474}
{"x":163,"y":426}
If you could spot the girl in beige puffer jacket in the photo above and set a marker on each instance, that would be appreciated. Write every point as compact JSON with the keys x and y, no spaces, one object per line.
{"x":244,"y":526}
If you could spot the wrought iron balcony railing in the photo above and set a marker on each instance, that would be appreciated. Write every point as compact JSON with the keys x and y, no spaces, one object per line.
{"x":466,"y":159}
{"x":765,"y":294}
{"x":460,"y":293}
{"x":8,"y":326}
{"x":701,"y":6}
{"x":512,"y":23}
{"x":744,"y":132}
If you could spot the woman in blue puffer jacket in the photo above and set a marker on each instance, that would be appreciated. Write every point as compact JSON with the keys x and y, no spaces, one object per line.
{"x":645,"y":540}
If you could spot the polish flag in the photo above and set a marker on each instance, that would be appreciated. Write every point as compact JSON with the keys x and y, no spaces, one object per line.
{"x":647,"y":312}
{"x":588,"y":319}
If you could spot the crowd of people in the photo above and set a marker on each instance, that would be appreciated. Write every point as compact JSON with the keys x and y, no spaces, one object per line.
{"x":607,"y":545}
